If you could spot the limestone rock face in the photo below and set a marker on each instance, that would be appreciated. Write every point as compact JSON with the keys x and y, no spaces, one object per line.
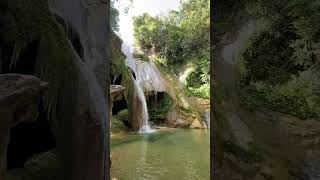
{"x":196,"y":124}
{"x":178,"y":118}
{"x":19,"y":98}
{"x":116,"y":92}
{"x":83,"y":141}
{"x":153,"y":80}
{"x":135,"y":109}
{"x":150,"y":76}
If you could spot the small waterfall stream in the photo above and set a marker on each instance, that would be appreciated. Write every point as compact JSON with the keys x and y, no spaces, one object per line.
{"x":130,"y":62}
{"x":207,"y":119}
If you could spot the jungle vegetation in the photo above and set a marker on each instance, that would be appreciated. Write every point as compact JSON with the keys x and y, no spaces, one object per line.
{"x":178,"y":41}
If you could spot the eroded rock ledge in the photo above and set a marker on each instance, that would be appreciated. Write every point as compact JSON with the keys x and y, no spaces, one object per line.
{"x":19,"y":98}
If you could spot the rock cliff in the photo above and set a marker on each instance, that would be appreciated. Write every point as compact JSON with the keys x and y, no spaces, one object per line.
{"x":19,"y":99}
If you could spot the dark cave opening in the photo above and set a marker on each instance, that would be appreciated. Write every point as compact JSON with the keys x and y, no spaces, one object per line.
{"x":28,"y":139}
{"x":25,"y":64}
{"x":75,"y":40}
{"x":133,"y":73}
{"x":154,"y":98}
{"x":118,"y":80}
{"x":119,"y":105}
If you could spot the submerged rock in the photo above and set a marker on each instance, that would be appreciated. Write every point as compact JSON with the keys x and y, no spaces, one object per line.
{"x":19,"y":98}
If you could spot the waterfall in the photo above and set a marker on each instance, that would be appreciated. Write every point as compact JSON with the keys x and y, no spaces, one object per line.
{"x":207,"y":119}
{"x":130,"y":62}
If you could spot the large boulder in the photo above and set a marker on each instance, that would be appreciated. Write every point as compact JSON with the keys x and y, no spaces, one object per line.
{"x":177,"y":117}
{"x":135,"y":111}
{"x":19,"y":98}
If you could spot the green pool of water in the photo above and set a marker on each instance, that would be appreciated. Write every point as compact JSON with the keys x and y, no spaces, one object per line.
{"x":168,"y":154}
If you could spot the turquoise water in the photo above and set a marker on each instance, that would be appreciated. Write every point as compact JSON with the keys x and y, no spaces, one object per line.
{"x":168,"y":154}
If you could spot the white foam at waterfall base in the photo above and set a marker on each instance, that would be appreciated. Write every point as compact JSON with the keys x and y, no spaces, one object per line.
{"x":130,"y":62}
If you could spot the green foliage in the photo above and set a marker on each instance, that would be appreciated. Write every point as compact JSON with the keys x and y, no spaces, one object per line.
{"x":141,"y":56}
{"x":160,"y":110}
{"x":176,"y":36}
{"x":114,"y":17}
{"x":177,"y":39}
{"x":123,"y":115}
{"x":162,"y":62}
{"x":280,"y":68}
{"x":119,"y":121}
{"x":225,"y":14}
{"x":306,"y":17}
{"x":203,"y":91}
{"x":197,"y":82}
{"x":299,"y":97}
{"x":118,"y":67}
{"x":267,"y":57}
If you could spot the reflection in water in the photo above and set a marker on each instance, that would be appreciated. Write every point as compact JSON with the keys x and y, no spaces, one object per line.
{"x":168,"y":154}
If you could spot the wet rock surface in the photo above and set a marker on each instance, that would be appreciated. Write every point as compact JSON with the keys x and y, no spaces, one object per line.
{"x":178,"y":118}
{"x":84,"y":137}
{"x":135,"y":111}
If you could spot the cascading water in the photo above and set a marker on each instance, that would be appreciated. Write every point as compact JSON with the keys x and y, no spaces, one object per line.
{"x":207,"y":119}
{"x":130,"y":62}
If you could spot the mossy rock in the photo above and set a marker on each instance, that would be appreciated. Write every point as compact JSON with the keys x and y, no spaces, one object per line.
{"x":43,"y":166}
{"x":120,"y":121}
{"x":117,"y":125}
{"x":141,"y":56}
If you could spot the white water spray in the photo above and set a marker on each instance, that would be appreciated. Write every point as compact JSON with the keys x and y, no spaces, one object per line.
{"x":130,"y":62}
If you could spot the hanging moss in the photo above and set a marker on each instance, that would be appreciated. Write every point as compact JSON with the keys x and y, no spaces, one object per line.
{"x":118,"y":67}
{"x":27,"y":21}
